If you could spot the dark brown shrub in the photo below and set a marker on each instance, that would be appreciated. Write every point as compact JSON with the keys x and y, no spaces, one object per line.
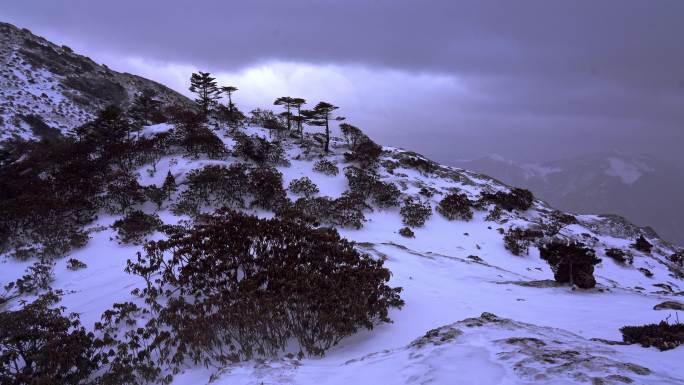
{"x":266,"y":188}
{"x":303,"y":186}
{"x":415,"y":213}
{"x":259,"y":150}
{"x":135,"y":226}
{"x":642,"y":245}
{"x":516,"y":199}
{"x":406,"y":232}
{"x":619,"y":256}
{"x":214,"y":185}
{"x":661,"y":335}
{"x":517,"y":241}
{"x":326,"y":167}
{"x":237,"y":286}
{"x":366,"y":184}
{"x":40,"y":345}
{"x":455,"y":206}
{"x":571,"y":262}
{"x":75,"y":264}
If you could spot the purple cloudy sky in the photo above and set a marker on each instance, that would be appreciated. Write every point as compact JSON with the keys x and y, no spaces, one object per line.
{"x":530,"y":80}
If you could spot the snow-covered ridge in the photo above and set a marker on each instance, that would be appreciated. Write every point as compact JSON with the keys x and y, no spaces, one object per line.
{"x":46,"y":88}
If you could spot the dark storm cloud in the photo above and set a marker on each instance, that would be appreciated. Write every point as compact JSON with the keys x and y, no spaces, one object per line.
{"x":585,"y":74}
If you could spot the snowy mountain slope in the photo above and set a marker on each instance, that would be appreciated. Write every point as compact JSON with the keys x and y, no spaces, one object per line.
{"x":642,"y":188}
{"x":451,"y":272}
{"x":46,"y":88}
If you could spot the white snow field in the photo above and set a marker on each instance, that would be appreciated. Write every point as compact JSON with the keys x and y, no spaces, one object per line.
{"x":474,"y":313}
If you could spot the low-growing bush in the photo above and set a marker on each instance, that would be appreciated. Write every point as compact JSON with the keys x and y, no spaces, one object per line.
{"x":619,"y":256}
{"x":455,"y":206}
{"x":266,"y":188}
{"x":517,"y":241}
{"x":259,"y":150}
{"x":36,"y":278}
{"x":662,"y":335}
{"x":303,"y":186}
{"x":345,"y":211}
{"x":236,"y":286}
{"x":326,"y":167}
{"x":571,"y":262}
{"x":516,"y":199}
{"x":677,"y":258}
{"x":366,"y":184}
{"x":135,"y":226}
{"x":41,"y":345}
{"x":415,"y":213}
{"x":75,"y":264}
{"x":406,"y":232}
{"x":214,"y":185}
{"x":363,"y":149}
{"x":642,"y":245}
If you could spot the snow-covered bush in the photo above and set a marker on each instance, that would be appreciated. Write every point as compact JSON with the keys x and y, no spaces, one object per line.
{"x":516,"y":199}
{"x":135,"y":226}
{"x":326,"y":167}
{"x":662,"y":335}
{"x":303,"y":186}
{"x":415,"y":213}
{"x":236,"y":286}
{"x":455,"y":206}
{"x":200,"y":140}
{"x":571,"y":262}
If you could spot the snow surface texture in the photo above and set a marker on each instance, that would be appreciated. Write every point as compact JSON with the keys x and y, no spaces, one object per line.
{"x":491,"y":319}
{"x":45,"y":88}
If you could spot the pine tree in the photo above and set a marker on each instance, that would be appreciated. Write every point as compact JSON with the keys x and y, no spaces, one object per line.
{"x":169,"y":186}
{"x":298,"y":119}
{"x":206,"y":89}
{"x":287,"y":103}
{"x":228,"y":90}
{"x":145,"y":107}
{"x":320,"y":116}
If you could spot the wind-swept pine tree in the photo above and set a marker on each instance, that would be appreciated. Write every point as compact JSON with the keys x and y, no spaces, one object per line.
{"x":204,"y":85}
{"x":228,"y":90}
{"x":320,"y":116}
{"x":287,"y":103}
{"x":298,"y":119}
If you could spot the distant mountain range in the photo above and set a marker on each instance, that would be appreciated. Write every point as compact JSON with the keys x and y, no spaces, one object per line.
{"x":647,"y":190}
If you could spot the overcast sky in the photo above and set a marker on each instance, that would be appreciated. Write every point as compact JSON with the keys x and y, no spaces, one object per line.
{"x":529,"y":80}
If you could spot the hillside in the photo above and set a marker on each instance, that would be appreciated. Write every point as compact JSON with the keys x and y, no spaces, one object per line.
{"x":204,"y":251}
{"x":47,"y":89}
{"x":642,"y":188}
